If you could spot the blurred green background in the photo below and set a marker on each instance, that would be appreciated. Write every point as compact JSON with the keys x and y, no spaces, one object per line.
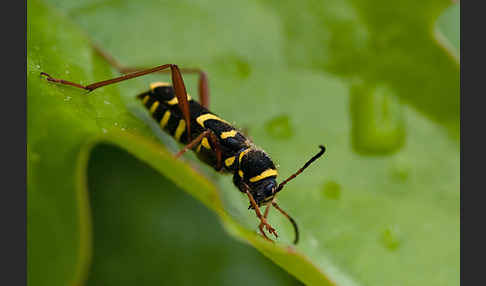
{"x":377,"y":82}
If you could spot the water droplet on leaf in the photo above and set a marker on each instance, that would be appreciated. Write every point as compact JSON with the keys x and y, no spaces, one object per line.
{"x":331,"y":190}
{"x":391,"y":238}
{"x":378,"y":125}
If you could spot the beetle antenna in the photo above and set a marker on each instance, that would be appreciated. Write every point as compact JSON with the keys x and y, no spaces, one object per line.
{"x":282,"y":184}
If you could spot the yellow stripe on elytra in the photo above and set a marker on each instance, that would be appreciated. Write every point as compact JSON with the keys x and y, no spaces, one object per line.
{"x":231,"y":133}
{"x":154,"y":106}
{"x":145,"y":99}
{"x":243,"y":154}
{"x":165,"y":119}
{"x":204,"y":143}
{"x":265,"y":174}
{"x":203,"y":118}
{"x":174,"y":100}
{"x":180,"y":129}
{"x":154,"y":85}
{"x":240,"y":172}
{"x":229,"y":161}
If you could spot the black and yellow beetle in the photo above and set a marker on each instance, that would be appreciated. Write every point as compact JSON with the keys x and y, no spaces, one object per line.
{"x":215,"y":141}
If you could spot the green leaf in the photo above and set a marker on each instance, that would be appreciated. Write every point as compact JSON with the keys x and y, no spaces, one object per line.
{"x":73,"y":238}
{"x":368,"y":79}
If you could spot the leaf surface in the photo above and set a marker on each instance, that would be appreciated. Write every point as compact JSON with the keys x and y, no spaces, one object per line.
{"x":370,"y":82}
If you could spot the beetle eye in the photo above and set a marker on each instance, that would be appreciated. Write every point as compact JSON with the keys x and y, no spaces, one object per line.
{"x":269,"y":188}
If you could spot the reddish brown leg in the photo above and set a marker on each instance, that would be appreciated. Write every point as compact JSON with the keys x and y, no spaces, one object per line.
{"x":267,"y":210}
{"x":99,"y":84}
{"x":203,"y":83}
{"x":180,"y":91}
{"x":214,"y":145}
{"x":193,"y":143}
{"x":62,"y":81}
{"x":203,"y":87}
{"x":217,"y":149}
{"x":262,"y":231}
{"x":259,"y":215}
{"x":177,"y":81}
{"x":265,"y":216}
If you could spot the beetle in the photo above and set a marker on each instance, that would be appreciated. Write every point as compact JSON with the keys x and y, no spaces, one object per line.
{"x":215,"y":141}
